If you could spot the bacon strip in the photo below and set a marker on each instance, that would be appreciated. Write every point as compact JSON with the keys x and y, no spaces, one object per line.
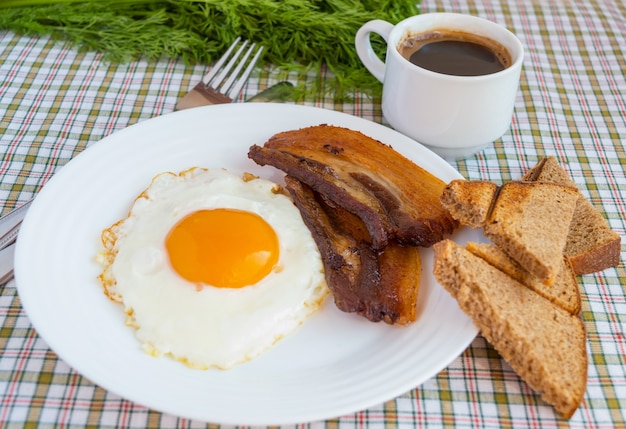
{"x":379,"y":285}
{"x":396,"y":199}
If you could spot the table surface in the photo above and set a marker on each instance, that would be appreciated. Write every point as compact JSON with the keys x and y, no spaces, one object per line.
{"x":55,"y":102}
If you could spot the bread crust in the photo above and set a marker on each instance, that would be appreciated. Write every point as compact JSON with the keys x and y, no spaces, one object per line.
{"x":599,"y":258}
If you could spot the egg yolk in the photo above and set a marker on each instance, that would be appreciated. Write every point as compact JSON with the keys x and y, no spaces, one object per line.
{"x":223,"y":248}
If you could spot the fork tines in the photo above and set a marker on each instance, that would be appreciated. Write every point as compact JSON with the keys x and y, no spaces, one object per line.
{"x":226,"y":78}
{"x":219,"y":72}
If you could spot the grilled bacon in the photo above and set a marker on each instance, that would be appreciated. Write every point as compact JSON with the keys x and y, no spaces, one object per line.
{"x":379,"y":285}
{"x":397,"y":200}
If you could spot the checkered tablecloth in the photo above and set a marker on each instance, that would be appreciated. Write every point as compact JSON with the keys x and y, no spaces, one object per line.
{"x":55,"y":102}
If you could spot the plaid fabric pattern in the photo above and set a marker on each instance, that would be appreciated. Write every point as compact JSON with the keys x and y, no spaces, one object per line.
{"x":55,"y":102}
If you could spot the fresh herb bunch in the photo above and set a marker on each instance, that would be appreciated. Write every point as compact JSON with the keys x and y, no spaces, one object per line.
{"x":301,"y":36}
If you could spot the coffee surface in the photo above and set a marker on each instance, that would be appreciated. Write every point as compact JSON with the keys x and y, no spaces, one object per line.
{"x":455,"y":53}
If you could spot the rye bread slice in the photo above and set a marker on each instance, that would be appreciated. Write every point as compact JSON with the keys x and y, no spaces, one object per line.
{"x":565,"y":291}
{"x":530,"y":222}
{"x":469,"y":201}
{"x":591,"y":243}
{"x":544,"y":344}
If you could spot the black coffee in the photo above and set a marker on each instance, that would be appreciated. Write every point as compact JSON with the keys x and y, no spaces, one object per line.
{"x":455,"y":53}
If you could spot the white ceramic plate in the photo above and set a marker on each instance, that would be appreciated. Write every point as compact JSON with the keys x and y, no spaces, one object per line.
{"x":334,"y":364}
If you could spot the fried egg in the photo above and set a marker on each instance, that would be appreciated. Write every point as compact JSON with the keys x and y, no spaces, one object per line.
{"x":212,"y":269}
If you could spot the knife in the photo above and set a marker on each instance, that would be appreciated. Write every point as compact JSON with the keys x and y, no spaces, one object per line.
{"x":10,"y":224}
{"x":6,"y":263}
{"x":9,"y":228}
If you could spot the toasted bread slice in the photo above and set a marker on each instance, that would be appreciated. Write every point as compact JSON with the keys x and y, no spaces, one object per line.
{"x":591,"y":243}
{"x":469,"y":201}
{"x":530,"y":222}
{"x":565,"y":292}
{"x":543,"y":343}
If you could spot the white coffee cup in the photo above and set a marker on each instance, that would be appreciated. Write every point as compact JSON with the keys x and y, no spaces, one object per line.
{"x":455,"y":116}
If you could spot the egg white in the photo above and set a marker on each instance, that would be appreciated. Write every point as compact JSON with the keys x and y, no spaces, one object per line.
{"x":207,"y":326}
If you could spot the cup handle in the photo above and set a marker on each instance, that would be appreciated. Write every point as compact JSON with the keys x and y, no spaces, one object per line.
{"x":364,"y":46}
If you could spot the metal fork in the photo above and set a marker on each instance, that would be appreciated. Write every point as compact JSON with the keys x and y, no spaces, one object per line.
{"x":223,"y":83}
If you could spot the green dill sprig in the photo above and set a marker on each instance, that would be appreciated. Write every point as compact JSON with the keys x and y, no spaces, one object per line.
{"x":301,"y":36}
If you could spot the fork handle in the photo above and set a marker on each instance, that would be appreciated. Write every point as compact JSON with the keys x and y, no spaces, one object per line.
{"x":201,"y":95}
